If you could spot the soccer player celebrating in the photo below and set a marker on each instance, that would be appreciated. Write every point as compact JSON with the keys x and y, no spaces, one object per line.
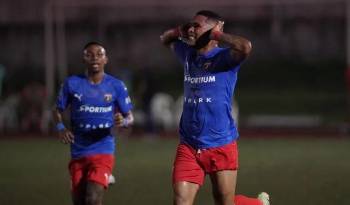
{"x":97,"y":102}
{"x":207,"y":131}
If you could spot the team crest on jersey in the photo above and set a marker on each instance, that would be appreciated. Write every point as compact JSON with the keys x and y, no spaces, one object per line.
{"x":108,"y":97}
{"x":206,"y":65}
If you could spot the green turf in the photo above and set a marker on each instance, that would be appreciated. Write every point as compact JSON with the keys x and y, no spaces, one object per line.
{"x":294,"y":171}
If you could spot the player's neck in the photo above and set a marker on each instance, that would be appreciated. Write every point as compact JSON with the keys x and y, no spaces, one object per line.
{"x":211,"y":45}
{"x":95,"y":78}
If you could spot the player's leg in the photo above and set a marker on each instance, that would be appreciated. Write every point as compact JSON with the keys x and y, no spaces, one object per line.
{"x":78,"y":181}
{"x":224,"y":183}
{"x":222,"y":164}
{"x":185,"y":193}
{"x":223,"y":186}
{"x":78,"y":195}
{"x":94,"y":193}
{"x":99,"y":170}
{"x":188,"y":176}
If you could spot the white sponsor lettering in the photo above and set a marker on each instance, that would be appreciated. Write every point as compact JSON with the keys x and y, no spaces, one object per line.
{"x":197,"y":100}
{"x":91,"y":109}
{"x":100,"y":126}
{"x":197,"y":80}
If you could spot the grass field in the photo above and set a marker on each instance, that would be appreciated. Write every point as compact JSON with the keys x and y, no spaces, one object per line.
{"x":303,"y":171}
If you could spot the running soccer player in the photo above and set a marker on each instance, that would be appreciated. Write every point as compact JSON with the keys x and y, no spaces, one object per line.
{"x":97,"y":102}
{"x":207,"y":131}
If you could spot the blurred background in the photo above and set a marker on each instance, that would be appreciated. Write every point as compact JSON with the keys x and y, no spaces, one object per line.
{"x":296,"y":76}
{"x":292,"y":100}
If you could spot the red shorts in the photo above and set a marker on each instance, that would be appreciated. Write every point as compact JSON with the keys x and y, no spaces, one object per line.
{"x":191,"y":165}
{"x":96,"y":168}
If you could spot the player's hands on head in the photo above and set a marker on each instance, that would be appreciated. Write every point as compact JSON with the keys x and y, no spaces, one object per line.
{"x":119,"y":120}
{"x":218,"y":27}
{"x":183,"y":34}
{"x":203,"y":40}
{"x":211,"y":34}
{"x":66,"y":136}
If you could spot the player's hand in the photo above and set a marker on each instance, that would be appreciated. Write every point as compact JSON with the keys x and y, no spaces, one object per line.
{"x":170,"y":35}
{"x":218,"y":27}
{"x":119,"y":120}
{"x":203,"y":40}
{"x":183,"y":31}
{"x":216,"y":31}
{"x":66,"y":136}
{"x":211,"y":34}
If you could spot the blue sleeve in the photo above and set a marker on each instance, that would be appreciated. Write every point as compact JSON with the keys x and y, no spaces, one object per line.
{"x":63,"y":98}
{"x":123,"y":101}
{"x":181,"y":49}
{"x":224,"y":61}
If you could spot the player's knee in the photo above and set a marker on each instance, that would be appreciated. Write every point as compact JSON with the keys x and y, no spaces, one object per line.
{"x":93,"y":199}
{"x":94,"y":194}
{"x":182,"y":200}
{"x":184,"y":193}
{"x":222,"y":195}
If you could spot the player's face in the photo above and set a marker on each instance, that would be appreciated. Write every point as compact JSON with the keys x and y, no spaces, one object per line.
{"x":199,"y":25}
{"x":95,"y":58}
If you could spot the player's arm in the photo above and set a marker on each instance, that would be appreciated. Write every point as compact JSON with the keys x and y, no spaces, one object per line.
{"x":170,"y":36}
{"x":174,"y":34}
{"x":125,"y":120}
{"x":65,"y":135}
{"x":240,"y":47}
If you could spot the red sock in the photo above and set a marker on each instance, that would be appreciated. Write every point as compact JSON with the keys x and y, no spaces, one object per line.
{"x":243,"y":200}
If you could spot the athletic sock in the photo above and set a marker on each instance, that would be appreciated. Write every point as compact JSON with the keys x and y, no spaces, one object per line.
{"x":243,"y":200}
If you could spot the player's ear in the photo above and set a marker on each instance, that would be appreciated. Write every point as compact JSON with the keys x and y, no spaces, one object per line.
{"x":106,"y":60}
{"x":83,"y":59}
{"x":221,"y":25}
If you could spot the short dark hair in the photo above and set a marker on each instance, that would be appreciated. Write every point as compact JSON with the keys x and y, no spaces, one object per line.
{"x":210,"y":15}
{"x":92,"y":43}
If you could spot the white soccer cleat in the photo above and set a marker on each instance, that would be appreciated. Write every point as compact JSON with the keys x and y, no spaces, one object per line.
{"x":264,"y":198}
{"x":111,"y":180}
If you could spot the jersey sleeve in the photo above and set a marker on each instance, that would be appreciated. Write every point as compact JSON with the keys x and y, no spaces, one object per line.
{"x":123,"y":100}
{"x":180,"y":48}
{"x":63,"y":98}
{"x":225,"y":62}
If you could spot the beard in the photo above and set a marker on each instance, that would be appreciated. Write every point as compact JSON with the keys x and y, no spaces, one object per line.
{"x":203,"y":40}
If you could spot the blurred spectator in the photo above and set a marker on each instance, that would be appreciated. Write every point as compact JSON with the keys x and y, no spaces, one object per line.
{"x":31,"y":106}
{"x":148,"y":93}
{"x":2,"y":76}
{"x":146,"y":89}
{"x":161,"y":111}
{"x":235,"y":111}
{"x":8,"y":113}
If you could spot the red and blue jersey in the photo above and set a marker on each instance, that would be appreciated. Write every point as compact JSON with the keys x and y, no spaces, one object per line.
{"x":209,"y":83}
{"x":92,"y":109}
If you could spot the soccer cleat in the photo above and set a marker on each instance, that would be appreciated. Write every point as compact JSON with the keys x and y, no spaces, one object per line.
{"x":264,"y":198}
{"x":111,"y":180}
